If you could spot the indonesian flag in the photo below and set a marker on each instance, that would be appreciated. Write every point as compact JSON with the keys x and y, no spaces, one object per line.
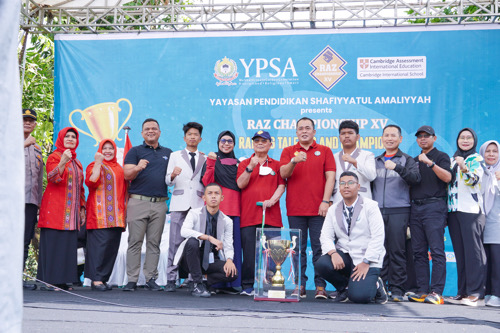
{"x":128,"y":145}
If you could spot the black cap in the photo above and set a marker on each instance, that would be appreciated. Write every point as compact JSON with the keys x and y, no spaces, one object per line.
{"x":28,"y":113}
{"x":262,"y":134}
{"x":426,"y":129}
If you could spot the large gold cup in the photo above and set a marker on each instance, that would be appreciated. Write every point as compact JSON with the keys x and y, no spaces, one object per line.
{"x":102,"y":120}
{"x":278,"y":251}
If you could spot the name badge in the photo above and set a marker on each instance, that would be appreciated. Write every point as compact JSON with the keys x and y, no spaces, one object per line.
{"x":211,"y":258}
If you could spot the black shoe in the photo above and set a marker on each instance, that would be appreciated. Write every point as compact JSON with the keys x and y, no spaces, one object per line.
{"x":153,"y":286}
{"x":396,"y":297}
{"x":99,"y":287}
{"x":131,"y":286}
{"x":229,"y":291}
{"x":341,"y":296}
{"x":29,"y":286}
{"x":108,"y":286}
{"x":170,"y":287}
{"x":190,"y":286}
{"x":200,"y":290}
{"x":381,"y":295}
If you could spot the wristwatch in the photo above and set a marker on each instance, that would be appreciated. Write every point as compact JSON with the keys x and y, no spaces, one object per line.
{"x":248,"y":170}
{"x":293,"y":161}
{"x":432,"y":165}
{"x":366,"y":261}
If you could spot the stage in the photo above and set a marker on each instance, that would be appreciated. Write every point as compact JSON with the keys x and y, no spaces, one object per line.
{"x":148,"y":311}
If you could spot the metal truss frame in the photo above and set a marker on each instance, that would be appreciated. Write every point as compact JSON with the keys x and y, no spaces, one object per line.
{"x":248,"y":15}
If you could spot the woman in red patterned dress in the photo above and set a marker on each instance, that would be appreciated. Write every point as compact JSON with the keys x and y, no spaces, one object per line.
{"x":105,"y":214}
{"x":62,"y":213}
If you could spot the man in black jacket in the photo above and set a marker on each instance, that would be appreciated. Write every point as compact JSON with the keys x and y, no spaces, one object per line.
{"x":396,"y":171}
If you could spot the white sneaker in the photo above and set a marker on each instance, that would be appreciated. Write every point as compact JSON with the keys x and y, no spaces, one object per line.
{"x":487,"y":298}
{"x":470,"y":301}
{"x":247,"y":292}
{"x":493,"y":301}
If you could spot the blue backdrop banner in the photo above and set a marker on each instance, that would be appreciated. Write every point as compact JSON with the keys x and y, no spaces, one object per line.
{"x":448,"y":78}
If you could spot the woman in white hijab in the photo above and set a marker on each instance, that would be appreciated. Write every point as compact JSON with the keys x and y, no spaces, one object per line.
{"x":489,"y":150}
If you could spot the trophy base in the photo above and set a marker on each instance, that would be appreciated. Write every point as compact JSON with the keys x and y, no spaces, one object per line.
{"x":277,"y":293}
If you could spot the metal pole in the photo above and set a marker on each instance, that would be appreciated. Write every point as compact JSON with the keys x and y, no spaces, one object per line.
{"x":22,"y":57}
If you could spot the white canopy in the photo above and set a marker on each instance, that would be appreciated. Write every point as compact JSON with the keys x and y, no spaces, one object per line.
{"x":81,"y":3}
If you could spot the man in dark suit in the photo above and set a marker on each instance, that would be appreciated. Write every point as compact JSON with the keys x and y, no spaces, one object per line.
{"x":208,"y":245}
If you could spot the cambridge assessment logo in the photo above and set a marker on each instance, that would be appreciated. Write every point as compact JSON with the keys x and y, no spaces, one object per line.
{"x":328,"y":68}
{"x":225,"y":71}
{"x":364,"y":63}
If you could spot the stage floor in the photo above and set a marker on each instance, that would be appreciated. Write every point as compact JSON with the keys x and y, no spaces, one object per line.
{"x":148,"y":311}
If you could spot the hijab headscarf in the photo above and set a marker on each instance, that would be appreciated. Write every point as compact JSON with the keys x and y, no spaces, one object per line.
{"x":226,"y":165}
{"x":463,"y":153}
{"x":112,"y":162}
{"x":489,"y":179}
{"x":60,"y":141}
{"x":116,"y":168}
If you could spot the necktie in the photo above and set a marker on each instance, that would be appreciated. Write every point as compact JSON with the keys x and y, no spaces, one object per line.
{"x":348,"y":218}
{"x":207,"y":246}
{"x":192,"y":160}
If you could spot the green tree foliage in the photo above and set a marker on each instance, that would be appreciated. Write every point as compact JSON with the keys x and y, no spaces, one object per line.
{"x":454,"y":11}
{"x":38,"y":87}
{"x":38,"y":95}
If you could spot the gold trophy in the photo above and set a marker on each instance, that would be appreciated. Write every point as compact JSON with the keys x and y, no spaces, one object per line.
{"x":278,"y":251}
{"x":102,"y":120}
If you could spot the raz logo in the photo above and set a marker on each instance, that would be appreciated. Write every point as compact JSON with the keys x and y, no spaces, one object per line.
{"x":225,"y":71}
{"x":364,"y":63}
{"x":328,"y":68}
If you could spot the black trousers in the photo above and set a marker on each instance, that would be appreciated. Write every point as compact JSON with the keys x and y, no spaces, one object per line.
{"x":192,"y":260}
{"x":314,"y":224}
{"x":362,"y":291}
{"x":30,"y":219}
{"x":493,"y":272}
{"x":248,"y":245}
{"x":394,"y":269}
{"x":411,"y":276}
{"x":427,"y":223}
{"x":466,"y":231}
{"x":102,"y":249}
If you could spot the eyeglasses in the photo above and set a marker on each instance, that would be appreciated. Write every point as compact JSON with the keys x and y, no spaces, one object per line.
{"x":426,"y":135}
{"x":228,"y":141}
{"x":466,"y":138}
{"x":348,"y":183}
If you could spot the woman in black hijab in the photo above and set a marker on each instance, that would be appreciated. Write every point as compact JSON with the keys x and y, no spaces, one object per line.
{"x":221,"y":168}
{"x":466,"y":219}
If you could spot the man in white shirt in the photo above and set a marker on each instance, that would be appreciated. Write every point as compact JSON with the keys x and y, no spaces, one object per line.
{"x":183,"y":172}
{"x":208,"y":245}
{"x":351,"y":158}
{"x":352,"y":242}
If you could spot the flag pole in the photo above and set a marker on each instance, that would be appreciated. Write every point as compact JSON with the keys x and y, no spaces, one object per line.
{"x":128,"y":144}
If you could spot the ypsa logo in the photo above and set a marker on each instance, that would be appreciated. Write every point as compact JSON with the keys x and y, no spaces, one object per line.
{"x":225,"y":71}
{"x":261,"y":65}
{"x":364,"y":63}
{"x":328,"y":68}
